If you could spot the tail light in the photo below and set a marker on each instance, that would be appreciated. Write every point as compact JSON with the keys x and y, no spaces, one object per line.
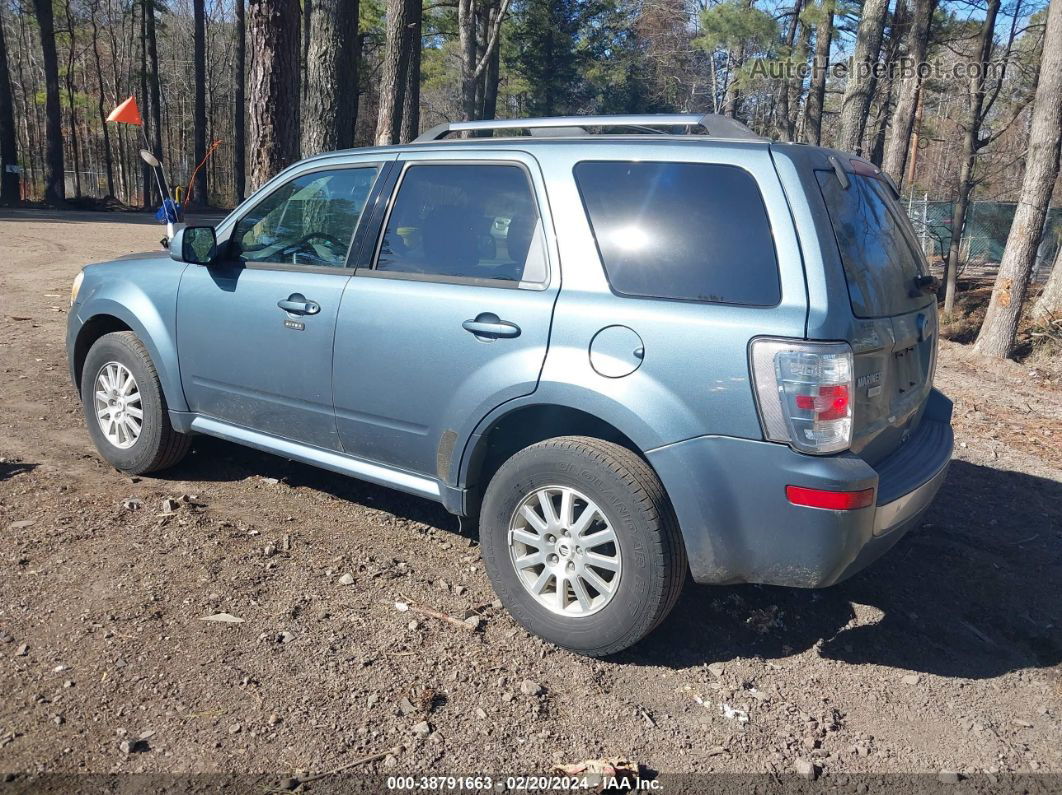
{"x":804,"y":391}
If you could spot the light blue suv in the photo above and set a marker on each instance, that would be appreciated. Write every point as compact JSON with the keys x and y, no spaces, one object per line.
{"x":632,"y":346}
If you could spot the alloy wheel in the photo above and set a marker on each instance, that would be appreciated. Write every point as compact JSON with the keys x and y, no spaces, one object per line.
{"x":118,"y":407}
{"x":565,"y":551}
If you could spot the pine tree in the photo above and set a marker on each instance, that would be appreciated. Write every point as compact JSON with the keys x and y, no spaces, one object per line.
{"x":273,"y":36}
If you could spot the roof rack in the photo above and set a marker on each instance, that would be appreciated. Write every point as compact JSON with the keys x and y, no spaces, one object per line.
{"x":713,"y":124}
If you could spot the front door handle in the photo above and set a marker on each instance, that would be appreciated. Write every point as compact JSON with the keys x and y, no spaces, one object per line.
{"x":297,"y":304}
{"x":487,"y":325}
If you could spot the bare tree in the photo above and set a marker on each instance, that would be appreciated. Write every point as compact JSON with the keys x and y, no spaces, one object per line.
{"x":859,"y":88}
{"x":786,"y":123}
{"x":71,"y":91}
{"x":153,"y":78}
{"x":273,"y":36}
{"x":916,"y":43}
{"x":9,"y":177}
{"x":331,"y":70}
{"x":820,"y":66}
{"x":54,"y":185}
{"x":1049,"y":304}
{"x":239,"y":127}
{"x":393,"y":73}
{"x":491,"y":80}
{"x":108,"y":158}
{"x":146,"y":182}
{"x":199,"y":120}
{"x":474,"y":60}
{"x":972,"y":142}
{"x":1000,"y":327}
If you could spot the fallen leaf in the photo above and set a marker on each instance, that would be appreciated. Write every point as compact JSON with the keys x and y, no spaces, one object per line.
{"x":223,"y":618}
{"x":594,"y":770}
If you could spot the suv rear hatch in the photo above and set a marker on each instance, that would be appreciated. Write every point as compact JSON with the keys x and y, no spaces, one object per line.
{"x":894,"y":343}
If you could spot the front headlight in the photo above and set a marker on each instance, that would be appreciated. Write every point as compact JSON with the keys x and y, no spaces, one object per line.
{"x":76,"y":286}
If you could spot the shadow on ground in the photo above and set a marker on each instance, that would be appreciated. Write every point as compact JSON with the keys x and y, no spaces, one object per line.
{"x":214,"y":460}
{"x":973,"y":593}
{"x":9,"y":469}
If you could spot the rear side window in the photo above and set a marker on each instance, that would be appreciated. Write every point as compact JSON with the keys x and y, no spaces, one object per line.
{"x":880,"y":259}
{"x":686,"y":231}
{"x":465,"y":222}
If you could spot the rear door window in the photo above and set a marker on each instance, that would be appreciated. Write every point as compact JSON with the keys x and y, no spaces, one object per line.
{"x":881,"y":260}
{"x":685,"y":231}
{"x":465,"y":222}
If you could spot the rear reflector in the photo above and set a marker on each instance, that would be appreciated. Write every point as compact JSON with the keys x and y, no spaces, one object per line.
{"x":830,"y":500}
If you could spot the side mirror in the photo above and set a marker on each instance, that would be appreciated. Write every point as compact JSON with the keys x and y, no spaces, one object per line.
{"x":195,"y":244}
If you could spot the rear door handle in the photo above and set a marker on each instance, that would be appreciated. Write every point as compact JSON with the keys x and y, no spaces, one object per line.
{"x":297,"y":304}
{"x":489,"y":326}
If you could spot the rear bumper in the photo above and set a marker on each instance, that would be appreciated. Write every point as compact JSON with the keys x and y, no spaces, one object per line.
{"x":738,"y":526}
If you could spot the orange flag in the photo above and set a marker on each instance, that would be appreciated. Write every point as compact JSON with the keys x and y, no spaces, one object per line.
{"x":127,"y":113}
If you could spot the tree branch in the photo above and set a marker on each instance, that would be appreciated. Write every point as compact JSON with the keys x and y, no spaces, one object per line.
{"x":492,"y":40}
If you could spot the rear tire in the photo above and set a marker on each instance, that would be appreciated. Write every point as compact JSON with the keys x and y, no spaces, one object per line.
{"x":557,"y":572}
{"x":112,"y":404}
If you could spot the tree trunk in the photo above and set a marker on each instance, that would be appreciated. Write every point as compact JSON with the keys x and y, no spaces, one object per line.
{"x":393,"y":72}
{"x":1000,"y":327}
{"x":54,"y":185}
{"x":71,"y":90}
{"x":796,"y":84}
{"x":491,"y":78}
{"x":153,"y":79}
{"x":857,"y":92}
{"x":817,"y":90}
{"x":474,"y":59}
{"x":1049,"y":304}
{"x":9,"y":179}
{"x":881,"y":86}
{"x":958,"y":222}
{"x":482,"y":22}
{"x":466,"y":35}
{"x":146,"y":176}
{"x":735,"y":58}
{"x":304,"y":51}
{"x":199,"y":120}
{"x":903,"y":115}
{"x":971,"y":135}
{"x":331,"y":78}
{"x":273,"y":36}
{"x":108,"y":158}
{"x":782,"y":121}
{"x":355,"y":93}
{"x":239,"y":130}
{"x":411,"y":98}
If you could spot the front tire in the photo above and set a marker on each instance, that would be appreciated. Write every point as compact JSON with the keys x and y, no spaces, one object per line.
{"x":581,"y":544}
{"x":125,"y":409}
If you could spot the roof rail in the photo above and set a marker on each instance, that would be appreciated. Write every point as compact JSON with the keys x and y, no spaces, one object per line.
{"x":713,"y":124}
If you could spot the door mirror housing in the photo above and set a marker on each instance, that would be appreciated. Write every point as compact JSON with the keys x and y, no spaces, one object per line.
{"x":195,"y":244}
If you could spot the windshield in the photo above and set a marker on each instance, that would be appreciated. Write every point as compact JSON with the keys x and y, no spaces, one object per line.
{"x":880,"y":256}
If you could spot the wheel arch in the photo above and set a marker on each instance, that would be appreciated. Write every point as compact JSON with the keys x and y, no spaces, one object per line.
{"x":501,"y":436}
{"x":148,"y":326}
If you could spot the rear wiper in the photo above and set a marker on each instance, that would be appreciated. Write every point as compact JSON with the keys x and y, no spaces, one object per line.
{"x":838,"y":169}
{"x":925,"y":284}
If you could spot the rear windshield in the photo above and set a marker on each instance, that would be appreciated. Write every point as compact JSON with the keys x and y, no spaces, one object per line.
{"x":685,"y":231}
{"x":881,"y":260}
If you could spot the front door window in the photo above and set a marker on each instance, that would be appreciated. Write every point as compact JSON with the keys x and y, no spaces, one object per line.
{"x":306,"y":221}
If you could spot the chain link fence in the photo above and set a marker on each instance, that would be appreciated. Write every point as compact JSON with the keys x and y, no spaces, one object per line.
{"x":984,"y":236}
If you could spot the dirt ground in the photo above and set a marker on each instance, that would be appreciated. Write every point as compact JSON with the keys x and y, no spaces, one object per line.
{"x":944,"y":656}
